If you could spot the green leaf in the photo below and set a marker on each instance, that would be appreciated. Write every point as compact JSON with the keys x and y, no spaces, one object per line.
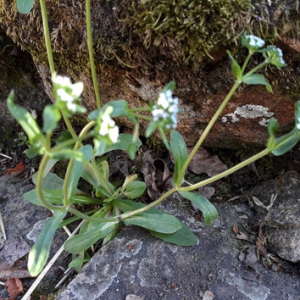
{"x":255,"y":79}
{"x":111,"y":235}
{"x":235,"y":67}
{"x":297,"y":113}
{"x":31,"y":152}
{"x":24,"y":6}
{"x":83,"y":241}
{"x":65,"y":136}
{"x":182,"y":237}
{"x":51,"y":116}
{"x":152,"y":126}
{"x":78,"y":262}
{"x":29,"y":125}
{"x":55,"y":197}
{"x":39,"y":253}
{"x":134,"y":189}
{"x":128,"y":205}
{"x":272,"y":128}
{"x":120,"y":108}
{"x":178,"y":148}
{"x":269,"y":88}
{"x":68,"y":154}
{"x":170,"y":86}
{"x":208,"y":210}
{"x":163,"y":223}
{"x":286,"y":142}
{"x":50,"y":182}
{"x":77,"y":170}
{"x":124,"y":143}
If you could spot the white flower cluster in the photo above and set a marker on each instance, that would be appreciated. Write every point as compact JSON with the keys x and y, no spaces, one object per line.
{"x":166,"y":110}
{"x":275,"y":56}
{"x":67,"y":92}
{"x":255,"y":41}
{"x":108,"y":126}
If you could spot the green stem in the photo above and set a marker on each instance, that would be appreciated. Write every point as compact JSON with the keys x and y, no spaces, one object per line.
{"x":50,"y":57}
{"x":39,"y":190}
{"x":69,"y":125}
{"x":207,"y":130}
{"x":124,"y":215}
{"x":227,"y":172}
{"x":143,"y":117}
{"x":91,"y":50}
{"x":71,"y":142}
{"x":78,"y":143}
{"x":47,"y":36}
{"x":152,"y":204}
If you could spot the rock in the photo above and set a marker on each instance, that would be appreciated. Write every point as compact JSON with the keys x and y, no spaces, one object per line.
{"x":136,"y":263}
{"x":131,"y":68}
{"x":19,"y":217}
{"x":282,"y":218}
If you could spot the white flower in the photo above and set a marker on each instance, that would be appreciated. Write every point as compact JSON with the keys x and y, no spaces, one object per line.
{"x":108,"y":126}
{"x":255,"y":41}
{"x":275,"y":56}
{"x":61,"y":80}
{"x":166,"y":110}
{"x":67,"y":93}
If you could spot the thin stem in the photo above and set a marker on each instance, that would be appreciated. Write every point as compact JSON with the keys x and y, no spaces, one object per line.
{"x":71,"y":142}
{"x":207,"y":130}
{"x":66,"y":199}
{"x":125,"y":215}
{"x":39,"y":190}
{"x":91,"y":50}
{"x":50,"y":58}
{"x":143,"y":117}
{"x":227,"y":172}
{"x":69,"y":125}
{"x":152,"y":204}
{"x":47,"y":36}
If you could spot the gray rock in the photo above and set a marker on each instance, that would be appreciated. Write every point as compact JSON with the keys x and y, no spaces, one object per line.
{"x":137,"y":263}
{"x":282,"y":218}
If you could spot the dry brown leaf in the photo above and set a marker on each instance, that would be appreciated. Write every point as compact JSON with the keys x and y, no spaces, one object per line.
{"x":204,"y":162}
{"x":14,"y":287}
{"x":235,"y":229}
{"x":11,"y":272}
{"x":156,"y":174}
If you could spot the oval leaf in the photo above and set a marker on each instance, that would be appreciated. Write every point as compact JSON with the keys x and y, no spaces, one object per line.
{"x":286,"y":142}
{"x":183,"y":237}
{"x":134,"y":189}
{"x":208,"y":210}
{"x":256,"y":79}
{"x":24,"y":6}
{"x":163,"y":223}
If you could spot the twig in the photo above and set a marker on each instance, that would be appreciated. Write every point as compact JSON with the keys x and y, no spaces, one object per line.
{"x":49,"y":265}
{"x":67,"y":273}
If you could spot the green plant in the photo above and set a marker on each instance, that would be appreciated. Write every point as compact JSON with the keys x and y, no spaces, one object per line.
{"x":114,"y":204}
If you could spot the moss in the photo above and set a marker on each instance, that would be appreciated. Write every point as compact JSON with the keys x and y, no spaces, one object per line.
{"x":195,"y":28}
{"x":198,"y":26}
